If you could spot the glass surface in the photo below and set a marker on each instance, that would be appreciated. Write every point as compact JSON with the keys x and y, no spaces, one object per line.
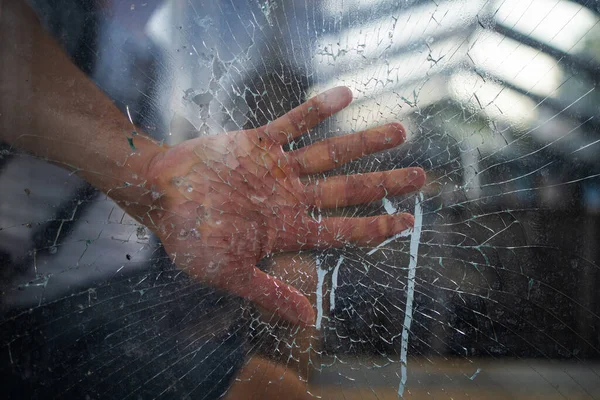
{"x":491,"y":295}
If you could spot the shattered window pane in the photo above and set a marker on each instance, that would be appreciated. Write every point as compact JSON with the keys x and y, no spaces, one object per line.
{"x":489,"y":293}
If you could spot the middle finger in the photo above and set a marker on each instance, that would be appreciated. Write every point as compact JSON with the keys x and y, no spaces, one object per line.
{"x":342,"y":191}
{"x":333,"y":152}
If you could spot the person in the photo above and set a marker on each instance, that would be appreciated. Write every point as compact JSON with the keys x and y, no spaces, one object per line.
{"x":219,"y":203}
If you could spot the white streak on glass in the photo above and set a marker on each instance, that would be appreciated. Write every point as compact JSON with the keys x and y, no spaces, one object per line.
{"x":320,"y":279}
{"x":334,"y":282}
{"x":475,"y":374}
{"x":389,"y":207}
{"x":410,"y":292}
{"x":129,"y":114}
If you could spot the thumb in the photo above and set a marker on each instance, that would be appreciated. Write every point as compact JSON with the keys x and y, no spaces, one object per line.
{"x":274,"y":296}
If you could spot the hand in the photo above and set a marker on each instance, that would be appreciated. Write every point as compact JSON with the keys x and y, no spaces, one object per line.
{"x":224,"y":202}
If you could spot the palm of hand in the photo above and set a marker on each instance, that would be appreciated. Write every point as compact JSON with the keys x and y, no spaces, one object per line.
{"x":226,"y":201}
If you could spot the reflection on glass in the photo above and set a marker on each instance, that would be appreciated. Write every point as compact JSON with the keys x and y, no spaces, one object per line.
{"x":170,"y":231}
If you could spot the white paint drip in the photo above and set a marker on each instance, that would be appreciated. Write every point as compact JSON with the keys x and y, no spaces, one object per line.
{"x":410,"y":292}
{"x":334,"y":282}
{"x":475,"y":374}
{"x":320,"y":279}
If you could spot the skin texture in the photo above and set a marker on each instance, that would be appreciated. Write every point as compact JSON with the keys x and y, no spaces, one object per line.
{"x":218,"y":203}
{"x":224,"y":202}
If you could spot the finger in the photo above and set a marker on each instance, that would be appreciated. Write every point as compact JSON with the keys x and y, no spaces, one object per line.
{"x":342,"y":191}
{"x":338,"y":231}
{"x":306,"y":116}
{"x":274,"y":296}
{"x":336,"y":151}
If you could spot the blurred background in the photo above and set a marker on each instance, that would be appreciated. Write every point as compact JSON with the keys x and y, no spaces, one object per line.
{"x":501,"y":109}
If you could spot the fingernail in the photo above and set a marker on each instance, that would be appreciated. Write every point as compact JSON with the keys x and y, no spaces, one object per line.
{"x":305,"y":317}
{"x":416,"y":174}
{"x":404,"y":221}
{"x":343,"y":91}
{"x":397,"y":127}
{"x":336,"y":98}
{"x":397,"y":132}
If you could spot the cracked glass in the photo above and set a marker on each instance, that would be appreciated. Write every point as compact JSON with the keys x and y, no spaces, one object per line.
{"x":265,"y":199}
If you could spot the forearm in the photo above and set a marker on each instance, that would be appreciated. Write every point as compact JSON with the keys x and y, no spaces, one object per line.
{"x":49,"y":108}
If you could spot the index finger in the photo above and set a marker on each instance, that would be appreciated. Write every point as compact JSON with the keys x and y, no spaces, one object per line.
{"x":304,"y":117}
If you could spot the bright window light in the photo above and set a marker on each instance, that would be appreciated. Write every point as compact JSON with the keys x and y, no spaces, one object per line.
{"x":559,"y":23}
{"x":521,"y":65}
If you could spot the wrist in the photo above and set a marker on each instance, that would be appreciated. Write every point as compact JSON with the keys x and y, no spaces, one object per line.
{"x":133,"y":187}
{"x":145,"y":154}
